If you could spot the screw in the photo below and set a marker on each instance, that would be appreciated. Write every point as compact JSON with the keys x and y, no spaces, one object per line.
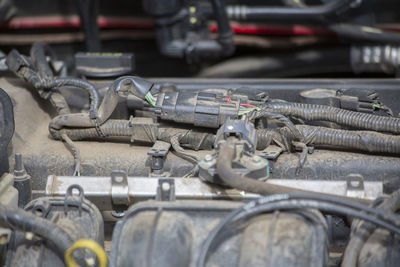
{"x":117,"y":214}
{"x":208,"y":158}
{"x":18,"y":162}
{"x":118,"y":179}
{"x":165,"y":186}
{"x":256,"y":159}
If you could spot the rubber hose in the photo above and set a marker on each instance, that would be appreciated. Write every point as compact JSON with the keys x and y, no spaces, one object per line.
{"x":358,"y":120}
{"x":364,"y":231}
{"x":364,"y":33}
{"x":311,"y":12}
{"x":226,"y":173}
{"x":225,"y":35}
{"x":367,"y":141}
{"x":19,"y":219}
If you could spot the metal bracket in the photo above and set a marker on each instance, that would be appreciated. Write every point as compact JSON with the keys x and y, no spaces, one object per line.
{"x":158,"y":153}
{"x":119,"y":188}
{"x":73,"y":201}
{"x":166,"y":190}
{"x":355,"y":186}
{"x":272,"y":152}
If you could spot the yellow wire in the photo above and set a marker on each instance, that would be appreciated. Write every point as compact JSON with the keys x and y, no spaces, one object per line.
{"x":89,"y":244}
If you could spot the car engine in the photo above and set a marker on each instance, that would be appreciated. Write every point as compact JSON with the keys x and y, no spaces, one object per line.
{"x":199,"y":133}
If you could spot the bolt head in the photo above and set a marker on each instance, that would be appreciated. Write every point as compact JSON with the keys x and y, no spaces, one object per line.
{"x":208,"y":158}
{"x":256,"y":159}
{"x":165,"y":186}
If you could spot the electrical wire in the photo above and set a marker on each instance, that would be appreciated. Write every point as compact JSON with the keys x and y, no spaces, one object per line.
{"x":75,"y":152}
{"x":151,"y":99}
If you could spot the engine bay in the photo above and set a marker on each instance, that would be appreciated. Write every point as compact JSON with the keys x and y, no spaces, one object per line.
{"x":199,"y":133}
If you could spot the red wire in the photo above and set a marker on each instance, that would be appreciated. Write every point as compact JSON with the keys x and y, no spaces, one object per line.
{"x":137,"y":23}
{"x":142,"y":23}
{"x":247,"y":105}
{"x":254,"y":29}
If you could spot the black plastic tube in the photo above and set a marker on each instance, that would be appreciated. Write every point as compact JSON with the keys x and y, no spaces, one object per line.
{"x":357,"y":120}
{"x":88,"y":10}
{"x":364,"y":33}
{"x":225,"y":35}
{"x":19,"y":219}
{"x":293,"y":13}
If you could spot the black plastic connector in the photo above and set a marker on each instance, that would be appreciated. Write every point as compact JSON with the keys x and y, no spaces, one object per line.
{"x":134,"y":85}
{"x":241,"y":129}
{"x":198,"y":108}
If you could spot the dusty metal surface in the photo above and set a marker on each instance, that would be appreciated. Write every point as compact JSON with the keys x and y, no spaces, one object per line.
{"x":105,"y":193}
{"x":44,"y":156}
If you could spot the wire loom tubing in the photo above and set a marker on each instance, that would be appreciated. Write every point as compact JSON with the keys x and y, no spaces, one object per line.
{"x":121,"y":128}
{"x":313,"y":135}
{"x":311,"y":112}
{"x":367,"y":141}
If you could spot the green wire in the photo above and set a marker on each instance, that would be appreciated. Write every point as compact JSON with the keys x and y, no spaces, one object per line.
{"x":245,"y":110}
{"x":150,"y":98}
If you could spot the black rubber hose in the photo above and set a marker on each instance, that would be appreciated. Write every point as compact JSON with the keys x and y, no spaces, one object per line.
{"x":364,"y":231}
{"x":225,"y":35}
{"x":19,"y":219}
{"x":291,"y":13}
{"x":88,"y":10}
{"x":367,"y":141}
{"x":226,"y":173}
{"x":364,"y":33}
{"x":357,"y":120}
